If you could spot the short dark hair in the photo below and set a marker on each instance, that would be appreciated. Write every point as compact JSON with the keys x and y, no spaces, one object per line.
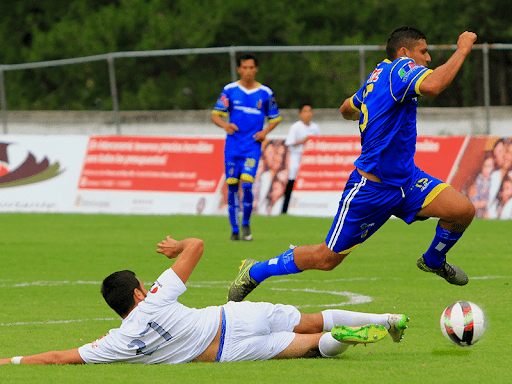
{"x":304,"y":104}
{"x":117,"y":290}
{"x":404,"y":36}
{"x":244,"y":57}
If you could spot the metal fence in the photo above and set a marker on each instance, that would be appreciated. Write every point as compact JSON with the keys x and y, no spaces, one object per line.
{"x":232,"y":51}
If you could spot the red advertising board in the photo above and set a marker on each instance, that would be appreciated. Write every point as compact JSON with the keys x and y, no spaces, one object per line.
{"x":328,"y":160}
{"x":142,"y":163}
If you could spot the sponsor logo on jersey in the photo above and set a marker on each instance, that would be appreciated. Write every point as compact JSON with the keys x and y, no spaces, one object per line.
{"x":404,"y":71}
{"x":249,"y":111}
{"x":423,"y":184}
{"x":375,"y":75}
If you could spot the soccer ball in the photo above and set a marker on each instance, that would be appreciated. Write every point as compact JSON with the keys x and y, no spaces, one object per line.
{"x":463,"y":323}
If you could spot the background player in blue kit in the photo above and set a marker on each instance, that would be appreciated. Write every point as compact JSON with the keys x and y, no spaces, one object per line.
{"x":247,"y":102}
{"x":386,"y":181}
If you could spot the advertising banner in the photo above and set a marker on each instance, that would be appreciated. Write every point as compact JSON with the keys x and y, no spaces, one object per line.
{"x":176,"y":175}
{"x":39,"y":173}
{"x":485,"y":176}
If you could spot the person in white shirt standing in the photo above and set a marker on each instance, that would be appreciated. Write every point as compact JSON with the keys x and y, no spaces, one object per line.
{"x":299,"y":133}
{"x":158,"y":329}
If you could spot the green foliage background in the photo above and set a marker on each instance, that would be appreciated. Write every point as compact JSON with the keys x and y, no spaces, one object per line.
{"x":32,"y":31}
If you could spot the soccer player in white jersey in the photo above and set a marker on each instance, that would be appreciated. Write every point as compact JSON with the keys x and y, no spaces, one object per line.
{"x":248,"y":103}
{"x":299,"y":133}
{"x":157,"y":329}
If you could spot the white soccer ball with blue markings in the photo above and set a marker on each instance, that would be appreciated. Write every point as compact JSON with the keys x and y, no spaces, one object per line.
{"x":463,"y":323}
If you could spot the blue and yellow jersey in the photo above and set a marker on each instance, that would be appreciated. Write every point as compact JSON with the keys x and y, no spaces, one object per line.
{"x":247,"y":108}
{"x":388,"y":101}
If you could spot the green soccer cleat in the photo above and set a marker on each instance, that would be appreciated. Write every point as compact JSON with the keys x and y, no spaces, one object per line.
{"x":397,"y":326}
{"x":244,"y":283}
{"x":246,"y":233}
{"x":451,"y":273}
{"x":370,"y":333}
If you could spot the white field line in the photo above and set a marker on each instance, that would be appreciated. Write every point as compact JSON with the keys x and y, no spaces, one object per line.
{"x":353,"y":298}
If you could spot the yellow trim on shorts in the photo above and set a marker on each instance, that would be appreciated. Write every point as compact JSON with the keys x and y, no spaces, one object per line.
{"x":347,"y":251}
{"x":231,"y":180}
{"x":433,"y":193}
{"x":246,"y":177}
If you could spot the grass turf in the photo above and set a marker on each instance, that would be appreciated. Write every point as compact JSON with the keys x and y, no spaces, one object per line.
{"x":52,"y":265}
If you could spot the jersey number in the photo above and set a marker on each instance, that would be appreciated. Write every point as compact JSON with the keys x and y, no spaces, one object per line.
{"x":364,"y":108}
{"x":141,"y":350}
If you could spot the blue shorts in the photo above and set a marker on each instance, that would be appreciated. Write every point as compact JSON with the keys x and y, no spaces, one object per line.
{"x":241,"y":167}
{"x":366,"y":205}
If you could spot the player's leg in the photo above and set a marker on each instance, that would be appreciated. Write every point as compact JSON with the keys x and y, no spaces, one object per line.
{"x":330,"y":318}
{"x":455,"y":212}
{"x":248,"y":175}
{"x":232,"y":169}
{"x":293,"y":169}
{"x":287,"y":195}
{"x":361,"y":199}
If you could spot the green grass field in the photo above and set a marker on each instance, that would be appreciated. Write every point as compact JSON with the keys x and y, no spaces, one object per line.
{"x":52,"y":266}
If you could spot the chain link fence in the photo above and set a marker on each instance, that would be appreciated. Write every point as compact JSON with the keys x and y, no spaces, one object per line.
{"x":323,"y":75}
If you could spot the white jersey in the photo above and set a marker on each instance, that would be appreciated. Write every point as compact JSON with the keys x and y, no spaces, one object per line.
{"x":160,"y":330}
{"x":299,"y":131}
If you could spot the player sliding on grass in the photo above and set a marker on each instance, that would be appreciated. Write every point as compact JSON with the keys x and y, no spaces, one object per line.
{"x":386,"y":181}
{"x":157,"y":329}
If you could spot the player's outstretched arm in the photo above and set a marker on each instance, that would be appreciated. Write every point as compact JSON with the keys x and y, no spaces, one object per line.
{"x":187,"y":251}
{"x":53,"y":357}
{"x":442,"y":76}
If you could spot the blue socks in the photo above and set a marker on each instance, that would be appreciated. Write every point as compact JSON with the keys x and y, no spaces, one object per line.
{"x":283,"y":264}
{"x":233,"y":207}
{"x":442,"y":243}
{"x":247,"y":202}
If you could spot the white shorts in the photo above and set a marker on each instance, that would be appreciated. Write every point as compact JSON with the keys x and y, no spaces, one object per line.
{"x":293,"y":167}
{"x":257,"y":331}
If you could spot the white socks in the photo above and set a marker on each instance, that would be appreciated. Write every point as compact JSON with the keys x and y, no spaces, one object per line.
{"x":333,"y":317}
{"x":330,"y":347}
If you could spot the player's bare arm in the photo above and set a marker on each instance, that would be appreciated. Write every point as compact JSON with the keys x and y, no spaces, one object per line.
{"x":53,"y":357}
{"x":348,"y":112}
{"x":230,"y":128}
{"x":442,"y":76}
{"x":188,"y":253}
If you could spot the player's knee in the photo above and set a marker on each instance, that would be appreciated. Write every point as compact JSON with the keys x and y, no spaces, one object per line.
{"x":466,"y":210}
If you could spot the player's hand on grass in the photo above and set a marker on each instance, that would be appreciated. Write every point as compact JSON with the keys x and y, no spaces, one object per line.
{"x":169,"y":247}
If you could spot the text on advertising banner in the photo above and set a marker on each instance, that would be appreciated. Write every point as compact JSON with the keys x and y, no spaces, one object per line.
{"x":136,"y":163}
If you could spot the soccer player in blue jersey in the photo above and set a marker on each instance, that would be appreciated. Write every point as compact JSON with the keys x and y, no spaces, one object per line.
{"x":386,"y":181}
{"x":247,"y":102}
